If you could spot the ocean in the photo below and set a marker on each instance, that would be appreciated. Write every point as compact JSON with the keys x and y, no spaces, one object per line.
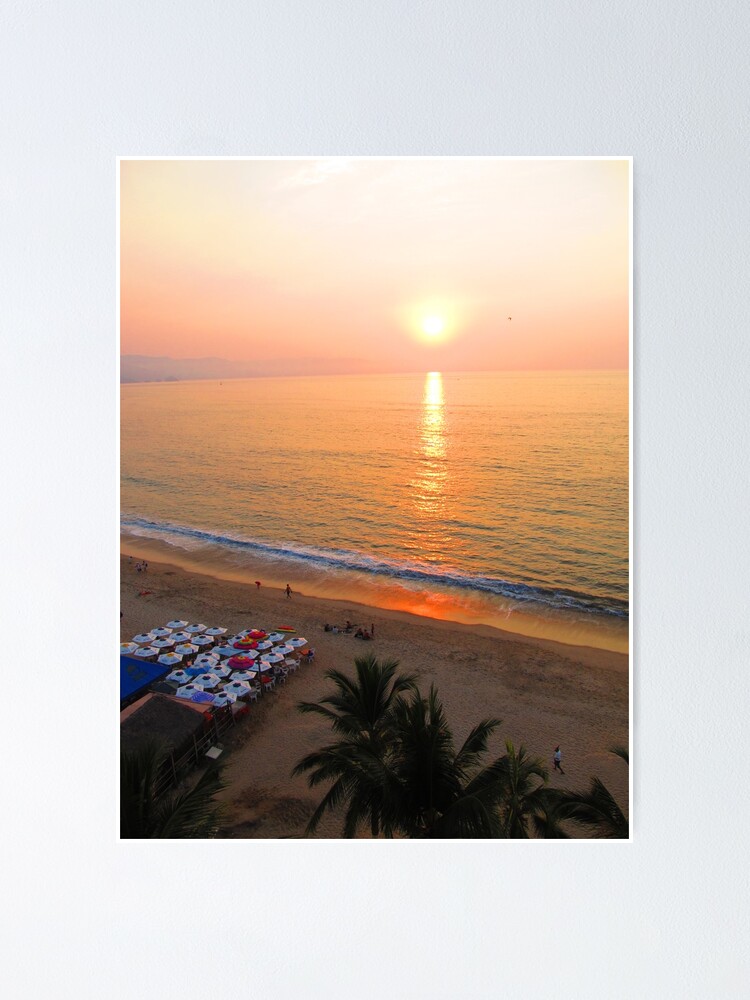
{"x":488,"y":498}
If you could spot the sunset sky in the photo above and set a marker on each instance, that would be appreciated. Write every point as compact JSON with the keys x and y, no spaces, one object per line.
{"x":400,"y":265}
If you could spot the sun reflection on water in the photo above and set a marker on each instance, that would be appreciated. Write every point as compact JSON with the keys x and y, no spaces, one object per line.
{"x":429,"y":487}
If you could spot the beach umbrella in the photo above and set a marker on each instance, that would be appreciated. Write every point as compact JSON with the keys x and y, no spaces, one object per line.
{"x":208,"y":658}
{"x":285,"y":628}
{"x":195,"y":628}
{"x":245,"y":642}
{"x":202,"y":696}
{"x":202,"y":640}
{"x":128,"y":647}
{"x":144,"y":638}
{"x":272,"y":657}
{"x":224,"y":650}
{"x":296,"y":643}
{"x":176,"y":624}
{"x":264,"y":666}
{"x":186,"y":648}
{"x":163,"y":643}
{"x":265,"y":644}
{"x":222,"y":698}
{"x":188,"y":690}
{"x":237,"y":688}
{"x":257,"y":633}
{"x":196,"y":668}
{"x":144,"y":652}
{"x":220,"y":670}
{"x":182,"y":636}
{"x":276,"y":637}
{"x":215,"y":631}
{"x":181,"y":676}
{"x":243,"y":675}
{"x":240,"y":662}
{"x":285,"y":650}
{"x":207,"y":681}
{"x":159,"y":633}
{"x":169,"y":659}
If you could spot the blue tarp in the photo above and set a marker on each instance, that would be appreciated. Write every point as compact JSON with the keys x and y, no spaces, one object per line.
{"x":135,"y":675}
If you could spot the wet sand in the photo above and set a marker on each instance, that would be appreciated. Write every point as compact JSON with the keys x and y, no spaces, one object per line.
{"x":545,"y":692}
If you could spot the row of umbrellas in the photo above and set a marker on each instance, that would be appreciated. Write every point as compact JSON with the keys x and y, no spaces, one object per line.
{"x":177,"y":639}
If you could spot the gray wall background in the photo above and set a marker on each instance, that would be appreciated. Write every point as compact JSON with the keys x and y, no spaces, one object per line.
{"x":662,"y":916}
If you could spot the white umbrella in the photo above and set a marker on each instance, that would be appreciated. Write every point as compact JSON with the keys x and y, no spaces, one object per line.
{"x":299,"y":641}
{"x":163,"y":643}
{"x":188,"y":690}
{"x":219,"y":671}
{"x":128,"y":647}
{"x":176,"y":624}
{"x":161,"y":632}
{"x":208,"y":658}
{"x":202,"y":640}
{"x":195,"y":628}
{"x":180,"y":676}
{"x":237,"y":688}
{"x":182,"y":636}
{"x":207,"y":681}
{"x":186,"y":648}
{"x":215,"y":631}
{"x":224,"y":698}
{"x":265,"y":644}
{"x":143,"y":638}
{"x":224,"y":650}
{"x":272,"y":657}
{"x":285,"y":650}
{"x":264,"y":666}
{"x":169,"y":659}
{"x":276,"y":637}
{"x":243,"y":675}
{"x":145,"y":651}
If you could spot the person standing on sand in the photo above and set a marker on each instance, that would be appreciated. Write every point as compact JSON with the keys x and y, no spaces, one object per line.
{"x":257,"y":584}
{"x":557,"y":759}
{"x":288,"y":591}
{"x":372,"y":631}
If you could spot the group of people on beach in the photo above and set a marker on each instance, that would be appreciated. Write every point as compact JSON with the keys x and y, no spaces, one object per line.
{"x":140,"y":567}
{"x":348,"y":628}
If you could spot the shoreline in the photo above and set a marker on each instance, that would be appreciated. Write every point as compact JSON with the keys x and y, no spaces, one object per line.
{"x":546,"y":692}
{"x":528,"y":625}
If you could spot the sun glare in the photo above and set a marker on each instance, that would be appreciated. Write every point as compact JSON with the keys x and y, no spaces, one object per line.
{"x":433,"y":325}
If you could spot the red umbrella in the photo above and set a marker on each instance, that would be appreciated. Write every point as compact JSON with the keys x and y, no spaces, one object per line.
{"x":240,"y":662}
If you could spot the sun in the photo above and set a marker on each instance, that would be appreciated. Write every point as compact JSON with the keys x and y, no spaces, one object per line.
{"x":433,"y":326}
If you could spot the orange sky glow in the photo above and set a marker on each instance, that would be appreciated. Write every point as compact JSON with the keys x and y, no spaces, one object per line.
{"x":403,"y":265}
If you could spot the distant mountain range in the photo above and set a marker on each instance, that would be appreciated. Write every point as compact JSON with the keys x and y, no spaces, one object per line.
{"x":143,"y":368}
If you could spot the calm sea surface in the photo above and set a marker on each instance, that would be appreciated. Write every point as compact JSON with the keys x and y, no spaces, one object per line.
{"x":499,"y":498}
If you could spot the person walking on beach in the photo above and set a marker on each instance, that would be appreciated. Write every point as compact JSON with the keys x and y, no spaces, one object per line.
{"x":558,"y":758}
{"x":288,"y":591}
{"x":257,"y":584}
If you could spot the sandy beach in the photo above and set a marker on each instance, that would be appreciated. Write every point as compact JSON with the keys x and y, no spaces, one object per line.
{"x":545,"y":692}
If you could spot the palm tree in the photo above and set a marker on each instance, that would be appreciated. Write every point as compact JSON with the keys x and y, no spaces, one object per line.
{"x":145,"y":814}
{"x":597,"y":808}
{"x":395,"y":765}
{"x":524,"y":802}
{"x":438,"y":792}
{"x":361,"y":714}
